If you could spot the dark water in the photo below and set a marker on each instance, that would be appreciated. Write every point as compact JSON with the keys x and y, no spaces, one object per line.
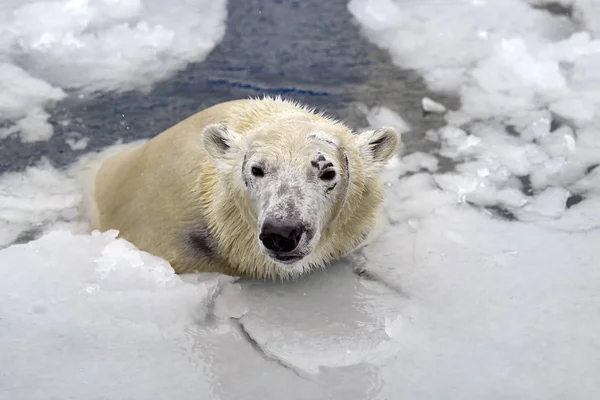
{"x":310,"y":50}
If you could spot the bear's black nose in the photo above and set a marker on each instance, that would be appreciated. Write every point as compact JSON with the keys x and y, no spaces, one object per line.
{"x":279,"y":236}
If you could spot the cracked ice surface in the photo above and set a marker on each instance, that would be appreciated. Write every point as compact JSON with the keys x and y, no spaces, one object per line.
{"x":104,"y":320}
{"x":497,"y":253}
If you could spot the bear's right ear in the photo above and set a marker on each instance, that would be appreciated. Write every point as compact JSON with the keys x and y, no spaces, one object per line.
{"x":221,"y":144}
{"x":377,"y":147}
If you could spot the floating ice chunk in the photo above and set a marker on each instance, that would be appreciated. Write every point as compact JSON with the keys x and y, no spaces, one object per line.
{"x":581,"y":217}
{"x":483,"y":172}
{"x":42,"y":197}
{"x":588,"y":185}
{"x":481,"y":191}
{"x":433,"y":135}
{"x":575,"y":48}
{"x":550,"y":203}
{"x":443,"y":39}
{"x":383,"y":116}
{"x":430,"y":105}
{"x":22,"y":98}
{"x":95,"y":45}
{"x":496,"y":159}
{"x":414,"y":162}
{"x":482,"y":196}
{"x":497,"y":150}
{"x":452,"y":134}
{"x":588,"y":145}
{"x":538,"y":128}
{"x":589,"y":12}
{"x":360,"y":321}
{"x":392,"y":170}
{"x":511,"y":79}
{"x":585,"y":215}
{"x":394,"y":326}
{"x":382,"y":14}
{"x":77,"y":143}
{"x":520,"y":64}
{"x":461,"y":184}
{"x":511,"y":198}
{"x":561,"y":142}
{"x":414,"y":197}
{"x":558,"y":171}
{"x":421,"y":160}
{"x":570,"y":142}
{"x":519,"y":160}
{"x":471,"y":189}
{"x":486,"y":168}
{"x":33,"y":198}
{"x":584,"y":76}
{"x":532,"y":121}
{"x":585,"y":12}
{"x":21,"y":92}
{"x":81,"y":328}
{"x":575,"y":111}
{"x":500,"y":66}
{"x":34,"y":127}
{"x":105,"y":41}
{"x":456,"y":143}
{"x":394,"y":163}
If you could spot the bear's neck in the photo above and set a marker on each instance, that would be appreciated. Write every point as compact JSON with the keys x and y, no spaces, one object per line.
{"x":355,"y":223}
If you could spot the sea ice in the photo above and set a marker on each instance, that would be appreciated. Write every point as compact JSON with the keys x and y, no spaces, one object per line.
{"x":430,"y":105}
{"x":91,"y":317}
{"x":383,"y":116}
{"x":484,"y":283}
{"x":35,"y":198}
{"x":500,"y":309}
{"x":50,"y":48}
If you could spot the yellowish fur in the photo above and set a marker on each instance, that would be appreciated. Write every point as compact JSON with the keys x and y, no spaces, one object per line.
{"x":157,"y":192}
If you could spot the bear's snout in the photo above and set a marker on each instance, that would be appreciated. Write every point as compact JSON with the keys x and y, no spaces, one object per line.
{"x":281,"y":236}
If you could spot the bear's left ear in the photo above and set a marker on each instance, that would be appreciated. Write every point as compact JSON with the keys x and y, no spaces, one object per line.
{"x":221,"y":143}
{"x":379,"y":145}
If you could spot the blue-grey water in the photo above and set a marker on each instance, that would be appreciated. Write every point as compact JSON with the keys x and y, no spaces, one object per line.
{"x":309,"y":50}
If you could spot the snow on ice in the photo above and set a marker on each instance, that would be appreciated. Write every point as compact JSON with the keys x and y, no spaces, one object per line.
{"x":430,"y":105}
{"x":90,"y":316}
{"x":484,"y":284}
{"x":101,"y":43}
{"x":39,"y":196}
{"x":383,"y":116}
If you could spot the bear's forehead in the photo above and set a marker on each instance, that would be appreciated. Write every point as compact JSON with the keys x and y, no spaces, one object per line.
{"x":309,"y":153}
{"x":295,"y":142}
{"x":300,"y":130}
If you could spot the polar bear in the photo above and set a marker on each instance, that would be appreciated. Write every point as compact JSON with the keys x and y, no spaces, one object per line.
{"x":255,"y":188}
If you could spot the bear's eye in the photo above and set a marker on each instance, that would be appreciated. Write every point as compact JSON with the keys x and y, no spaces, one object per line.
{"x":257,"y":171}
{"x":328,"y":175}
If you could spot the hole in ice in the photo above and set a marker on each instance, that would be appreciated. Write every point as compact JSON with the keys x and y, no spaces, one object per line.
{"x":554,"y":125}
{"x":574,"y":199}
{"x":512,"y":130}
{"x":27,"y":236}
{"x":591,"y":168}
{"x":527,"y":188}
{"x":497,"y":211}
{"x":556,"y":8}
